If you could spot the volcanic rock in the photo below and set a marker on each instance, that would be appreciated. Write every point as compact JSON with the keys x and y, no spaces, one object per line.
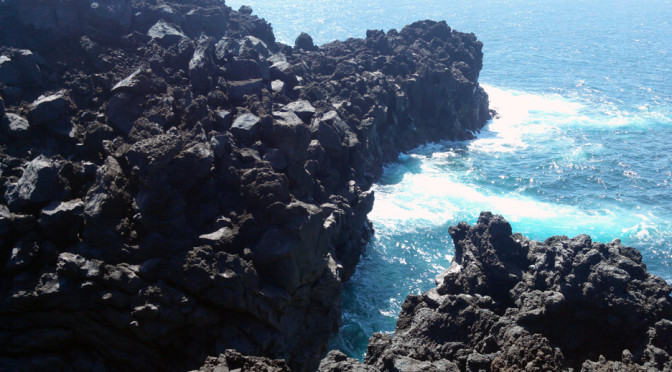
{"x":61,"y":220}
{"x":19,"y":67}
{"x":510,"y":303}
{"x":39,"y":183}
{"x":176,"y":184}
{"x":336,"y":361}
{"x":166,"y":34}
{"x":15,"y":125}
{"x":246,"y":126}
{"x":48,"y":108}
{"x":305,"y":42}
{"x":302,"y":108}
{"x":232,"y":361}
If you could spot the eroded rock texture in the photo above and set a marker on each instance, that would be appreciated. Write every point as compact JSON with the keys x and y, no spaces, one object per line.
{"x":175,"y":183}
{"x":508,"y":303}
{"x":234,"y":361}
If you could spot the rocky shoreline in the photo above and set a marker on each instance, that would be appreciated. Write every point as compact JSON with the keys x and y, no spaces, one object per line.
{"x":177,"y":184}
{"x":508,"y":303}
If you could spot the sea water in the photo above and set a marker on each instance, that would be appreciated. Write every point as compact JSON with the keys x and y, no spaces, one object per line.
{"x":582,"y":144}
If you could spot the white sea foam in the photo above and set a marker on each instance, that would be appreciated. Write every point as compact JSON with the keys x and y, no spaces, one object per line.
{"x":525,"y":118}
{"x":519,"y":116}
{"x":436,"y":191}
{"x":437,"y":198}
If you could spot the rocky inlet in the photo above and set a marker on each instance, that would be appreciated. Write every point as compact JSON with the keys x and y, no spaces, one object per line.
{"x":508,"y":303}
{"x":176,"y":184}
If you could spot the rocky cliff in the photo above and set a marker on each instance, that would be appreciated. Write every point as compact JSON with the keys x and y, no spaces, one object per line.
{"x":508,"y":303}
{"x":175,"y":183}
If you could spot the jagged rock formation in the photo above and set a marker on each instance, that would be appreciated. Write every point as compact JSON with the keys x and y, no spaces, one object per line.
{"x":175,"y":183}
{"x":234,"y":361}
{"x":336,"y":361}
{"x":508,"y":303}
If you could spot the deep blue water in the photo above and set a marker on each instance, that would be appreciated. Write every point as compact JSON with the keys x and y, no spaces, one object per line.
{"x":583,"y":145}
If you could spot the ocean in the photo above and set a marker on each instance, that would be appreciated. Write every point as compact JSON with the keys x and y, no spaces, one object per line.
{"x":582,"y":144}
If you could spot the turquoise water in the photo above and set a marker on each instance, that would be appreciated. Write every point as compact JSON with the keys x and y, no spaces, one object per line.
{"x":583,"y":143}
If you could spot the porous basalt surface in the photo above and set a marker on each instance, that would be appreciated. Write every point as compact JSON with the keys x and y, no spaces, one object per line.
{"x":508,"y":303}
{"x":175,"y":183}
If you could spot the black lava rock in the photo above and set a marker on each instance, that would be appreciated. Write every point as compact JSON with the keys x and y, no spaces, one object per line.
{"x":510,"y":303}
{"x":304,"y":42}
{"x":176,"y":184}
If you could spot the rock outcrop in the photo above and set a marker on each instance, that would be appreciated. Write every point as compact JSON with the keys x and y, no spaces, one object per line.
{"x":234,"y":361}
{"x":176,"y":184}
{"x":508,"y":303}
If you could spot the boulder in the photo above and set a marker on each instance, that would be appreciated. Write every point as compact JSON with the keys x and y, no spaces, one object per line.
{"x":140,"y":82}
{"x":107,"y":200}
{"x":201,"y":68}
{"x":122,"y":111}
{"x":302,"y":108}
{"x":330,"y":130}
{"x":39,"y":183}
{"x":166,"y":34}
{"x":168,"y":155}
{"x":127,"y":101}
{"x":49,"y":108}
{"x":304,"y":42}
{"x":283,"y":71}
{"x":246,"y":126}
{"x":244,"y":69}
{"x":256,"y":44}
{"x":278,"y":86}
{"x":153,"y":155}
{"x":9,"y":72}
{"x":221,"y":144}
{"x":226,"y":49}
{"x":245,"y":9}
{"x":263,"y":187}
{"x":218,"y":239}
{"x":15,"y":125}
{"x":288,"y":119}
{"x":277,"y":57}
{"x":191,"y":165}
{"x":239,"y":89}
{"x":290,"y":135}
